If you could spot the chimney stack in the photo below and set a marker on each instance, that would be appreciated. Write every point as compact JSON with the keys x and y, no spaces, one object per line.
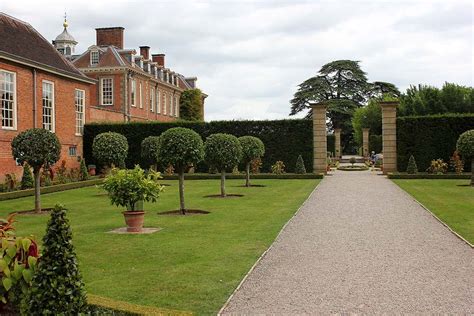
{"x":145,"y":52}
{"x":159,"y":59}
{"x":107,"y":36}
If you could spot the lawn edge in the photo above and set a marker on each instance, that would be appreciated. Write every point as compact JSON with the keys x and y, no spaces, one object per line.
{"x":433,"y":214}
{"x":266,"y":251}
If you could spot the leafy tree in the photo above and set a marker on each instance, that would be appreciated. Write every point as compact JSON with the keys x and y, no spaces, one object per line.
{"x":190,"y":105}
{"x":465,"y":146}
{"x":344,"y":87}
{"x":83,"y":169}
{"x":369,"y":116}
{"x":110,"y":149}
{"x":412,"y":167}
{"x":300,"y":168}
{"x":181,"y":148}
{"x":252,"y":148}
{"x":39,"y":148}
{"x":222,"y":151}
{"x":27,"y":181}
{"x":57,"y":287}
{"x":150,"y":150}
{"x":380,"y":88}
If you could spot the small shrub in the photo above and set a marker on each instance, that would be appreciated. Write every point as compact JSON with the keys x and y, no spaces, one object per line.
{"x":352,"y":160}
{"x":456,"y":163}
{"x":412,"y":168}
{"x":278,"y":167}
{"x":252,"y":148}
{"x":437,"y":166}
{"x":61,"y":173}
{"x":57,"y":286}
{"x":73,"y":175}
{"x":84,"y":174}
{"x":300,"y":168}
{"x":256,"y":165}
{"x":110,"y":149}
{"x":465,"y":146}
{"x":27,"y":181}
{"x":10,"y":182}
{"x":169,"y":171}
{"x":235,"y":171}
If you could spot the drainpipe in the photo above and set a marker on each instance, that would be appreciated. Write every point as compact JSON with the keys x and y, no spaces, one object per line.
{"x":126,"y":105}
{"x":34,"y":99}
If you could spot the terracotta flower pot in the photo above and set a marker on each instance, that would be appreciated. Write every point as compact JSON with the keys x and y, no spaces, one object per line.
{"x":91,"y":170}
{"x":134,"y":220}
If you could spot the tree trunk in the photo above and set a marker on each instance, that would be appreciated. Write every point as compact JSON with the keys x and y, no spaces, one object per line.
{"x":181,"y":192}
{"x":247,"y":176}
{"x":472,"y":172}
{"x":223,"y":183}
{"x":37,"y":173}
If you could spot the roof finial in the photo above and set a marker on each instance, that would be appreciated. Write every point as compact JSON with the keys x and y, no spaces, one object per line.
{"x":65,"y":20}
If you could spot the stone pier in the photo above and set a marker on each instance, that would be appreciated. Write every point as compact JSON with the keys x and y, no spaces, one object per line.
{"x":389,"y":135}
{"x":365,"y":142}
{"x":319,"y":138}
{"x":337,"y":138}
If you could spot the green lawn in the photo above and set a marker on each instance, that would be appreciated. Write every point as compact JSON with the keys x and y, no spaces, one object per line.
{"x":194,"y":263}
{"x":451,"y":200}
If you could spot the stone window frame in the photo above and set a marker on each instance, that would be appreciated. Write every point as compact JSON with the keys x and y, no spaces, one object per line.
{"x":152,"y":99}
{"x":133,"y":93}
{"x":94,"y":58}
{"x":176,"y":106}
{"x":102,"y":86}
{"x":164,"y":103}
{"x":80,"y":114}
{"x":52,"y":114}
{"x":158,"y":101}
{"x":140,"y":95}
{"x":3,"y":100}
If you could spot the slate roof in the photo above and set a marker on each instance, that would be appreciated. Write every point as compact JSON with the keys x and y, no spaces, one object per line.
{"x":22,"y":43}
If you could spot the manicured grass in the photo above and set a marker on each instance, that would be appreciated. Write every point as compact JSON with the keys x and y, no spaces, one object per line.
{"x":451,"y":200}
{"x":194,"y":263}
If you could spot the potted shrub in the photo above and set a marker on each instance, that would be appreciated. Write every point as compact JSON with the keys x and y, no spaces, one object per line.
{"x":91,"y":169}
{"x":127,"y":188}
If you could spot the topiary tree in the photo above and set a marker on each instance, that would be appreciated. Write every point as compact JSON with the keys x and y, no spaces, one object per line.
{"x":300,"y":168}
{"x":181,"y":148}
{"x":57,"y":287}
{"x":412,"y":167}
{"x":150,"y":150}
{"x":84,"y":174}
{"x":110,"y":149}
{"x":252,"y":148}
{"x":27,"y":181}
{"x":39,"y":148}
{"x":222,"y":151}
{"x":465,"y":146}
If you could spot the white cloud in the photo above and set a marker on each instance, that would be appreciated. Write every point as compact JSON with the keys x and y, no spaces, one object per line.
{"x":250,"y":56}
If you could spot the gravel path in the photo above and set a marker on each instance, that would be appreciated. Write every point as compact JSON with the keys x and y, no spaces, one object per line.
{"x":360,"y":245}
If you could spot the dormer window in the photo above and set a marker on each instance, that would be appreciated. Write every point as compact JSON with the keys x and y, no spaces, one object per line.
{"x":141,"y":64}
{"x":94,"y":58}
{"x":148,"y":68}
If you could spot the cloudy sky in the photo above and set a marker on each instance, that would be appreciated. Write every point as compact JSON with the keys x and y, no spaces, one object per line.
{"x":250,"y":56}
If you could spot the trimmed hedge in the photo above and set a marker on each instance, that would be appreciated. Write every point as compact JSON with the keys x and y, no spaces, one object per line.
{"x":284,"y":139}
{"x":375,"y":143}
{"x":50,"y":189}
{"x":209,"y":176}
{"x":428,"y":176}
{"x":430,"y":137}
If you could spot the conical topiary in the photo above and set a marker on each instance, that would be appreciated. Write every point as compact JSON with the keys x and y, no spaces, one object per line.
{"x":27,"y":181}
{"x":57,"y":287}
{"x":84,"y":173}
{"x":300,"y":168}
{"x":412,"y":168}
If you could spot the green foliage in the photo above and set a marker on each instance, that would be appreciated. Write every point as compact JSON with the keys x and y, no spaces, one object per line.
{"x":190,"y":105}
{"x":110,"y":149}
{"x":222,"y":151}
{"x":331,"y":143}
{"x":252,"y":148}
{"x":456,"y":163}
{"x":127,"y":187}
{"x":57,"y":286}
{"x":27,"y":181}
{"x":150,"y":150}
{"x":375,"y":143}
{"x":369,"y":116}
{"x":300,"y":168}
{"x":38,"y":147}
{"x":465,"y":145}
{"x":426,"y":100}
{"x":282,"y":138}
{"x":352,"y":160}
{"x":430,"y":137}
{"x":437,"y":166}
{"x":412,"y":168}
{"x":84,"y":174}
{"x":278,"y":167}
{"x":181,"y":148}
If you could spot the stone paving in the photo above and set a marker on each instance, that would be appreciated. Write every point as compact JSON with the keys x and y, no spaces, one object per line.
{"x":360,"y":245}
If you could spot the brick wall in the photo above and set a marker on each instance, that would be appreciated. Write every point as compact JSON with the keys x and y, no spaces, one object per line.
{"x":65,"y":116}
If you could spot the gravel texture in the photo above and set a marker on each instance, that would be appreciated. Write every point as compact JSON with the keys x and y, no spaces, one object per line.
{"x":360,"y":245}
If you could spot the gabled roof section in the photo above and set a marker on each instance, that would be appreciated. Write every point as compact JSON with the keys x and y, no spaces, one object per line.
{"x":20,"y":42}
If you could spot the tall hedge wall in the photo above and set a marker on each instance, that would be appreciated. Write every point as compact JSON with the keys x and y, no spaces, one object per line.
{"x":284,"y":139}
{"x":375,"y":143}
{"x":430,"y":137}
